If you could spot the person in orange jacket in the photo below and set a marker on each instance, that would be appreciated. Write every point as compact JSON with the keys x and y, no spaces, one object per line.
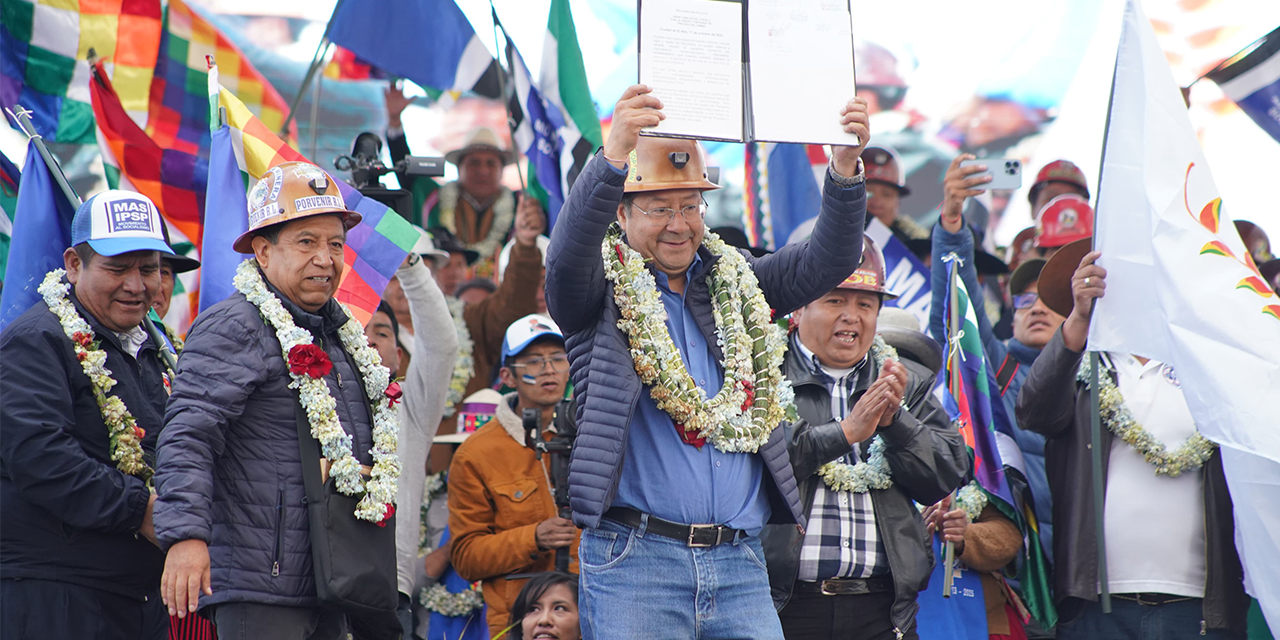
{"x":502,"y":511}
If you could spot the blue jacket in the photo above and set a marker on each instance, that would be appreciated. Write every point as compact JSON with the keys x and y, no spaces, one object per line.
{"x":1031,"y":444}
{"x":67,"y":513}
{"x":607,"y":388}
{"x":230,"y":471}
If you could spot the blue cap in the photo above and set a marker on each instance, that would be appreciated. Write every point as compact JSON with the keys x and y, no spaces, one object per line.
{"x":526,"y":330}
{"x":115,"y":222}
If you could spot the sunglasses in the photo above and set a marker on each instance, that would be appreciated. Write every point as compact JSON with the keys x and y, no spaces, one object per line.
{"x":1025,"y":300}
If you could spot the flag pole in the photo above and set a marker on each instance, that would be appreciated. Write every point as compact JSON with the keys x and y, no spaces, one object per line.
{"x":502,"y":90}
{"x":311,"y":72}
{"x":23,"y":118}
{"x":953,"y":329}
{"x":1095,"y":415}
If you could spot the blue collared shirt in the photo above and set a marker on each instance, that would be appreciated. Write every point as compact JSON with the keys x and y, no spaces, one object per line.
{"x":663,"y":476}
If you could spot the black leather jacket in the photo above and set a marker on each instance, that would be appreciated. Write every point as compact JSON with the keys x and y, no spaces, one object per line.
{"x":1054,"y":404}
{"x":928,"y":460}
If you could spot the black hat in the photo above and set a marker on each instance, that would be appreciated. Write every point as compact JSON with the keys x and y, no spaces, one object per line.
{"x":446,"y":241}
{"x":1269,"y":269}
{"x":180,"y":263}
{"x":1025,"y":274}
{"x":735,"y":237}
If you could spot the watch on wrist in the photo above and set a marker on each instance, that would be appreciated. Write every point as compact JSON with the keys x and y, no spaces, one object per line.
{"x":844,"y":181}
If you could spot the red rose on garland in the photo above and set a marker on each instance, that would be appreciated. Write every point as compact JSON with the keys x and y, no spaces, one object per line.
{"x":391,"y":511}
{"x":83,"y":339}
{"x":309,"y":360}
{"x":394,"y":393}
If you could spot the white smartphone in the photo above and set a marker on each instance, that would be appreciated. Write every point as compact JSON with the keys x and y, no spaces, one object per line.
{"x":1006,"y":173}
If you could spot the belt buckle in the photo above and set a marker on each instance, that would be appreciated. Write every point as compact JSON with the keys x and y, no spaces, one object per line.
{"x":825,"y":592}
{"x":693,"y":531}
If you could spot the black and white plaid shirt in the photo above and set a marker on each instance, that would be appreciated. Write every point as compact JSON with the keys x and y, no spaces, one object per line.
{"x":841,"y":540}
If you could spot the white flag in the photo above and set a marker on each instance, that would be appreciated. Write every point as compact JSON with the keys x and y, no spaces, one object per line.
{"x":1181,"y":289}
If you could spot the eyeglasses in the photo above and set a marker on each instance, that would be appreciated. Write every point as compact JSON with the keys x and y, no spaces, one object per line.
{"x":1025,"y":300}
{"x":665,"y":215}
{"x":559,"y":364}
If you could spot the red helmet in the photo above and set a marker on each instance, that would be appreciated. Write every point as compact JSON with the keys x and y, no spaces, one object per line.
{"x":870,"y":275}
{"x":1063,"y":220}
{"x":874,"y":65}
{"x":1058,"y":171}
{"x":883,"y":164}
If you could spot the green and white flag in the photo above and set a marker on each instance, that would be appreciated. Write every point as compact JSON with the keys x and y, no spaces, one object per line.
{"x":564,"y":84}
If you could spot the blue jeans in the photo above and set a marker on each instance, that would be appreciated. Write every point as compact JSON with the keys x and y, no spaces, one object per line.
{"x":636,"y":584}
{"x":1129,"y":620}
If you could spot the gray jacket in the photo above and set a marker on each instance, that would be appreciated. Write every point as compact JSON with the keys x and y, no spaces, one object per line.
{"x":926,"y":455}
{"x":229,"y":469}
{"x":1055,"y":404}
{"x":607,"y":388}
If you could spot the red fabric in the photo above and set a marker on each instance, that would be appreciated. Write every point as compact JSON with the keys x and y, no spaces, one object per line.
{"x":1015,"y":626}
{"x":192,"y":627}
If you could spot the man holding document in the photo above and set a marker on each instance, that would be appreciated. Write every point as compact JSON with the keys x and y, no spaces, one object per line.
{"x":681,"y":457}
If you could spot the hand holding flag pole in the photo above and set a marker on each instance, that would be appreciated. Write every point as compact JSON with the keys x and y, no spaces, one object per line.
{"x":23,"y":118}
{"x":954,"y":354}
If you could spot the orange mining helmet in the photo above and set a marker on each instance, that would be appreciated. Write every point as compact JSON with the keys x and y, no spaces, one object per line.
{"x":289,"y":191}
{"x":658,"y":164}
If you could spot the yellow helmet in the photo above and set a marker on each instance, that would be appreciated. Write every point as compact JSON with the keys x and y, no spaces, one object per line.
{"x":289,"y":191}
{"x":667,"y":163}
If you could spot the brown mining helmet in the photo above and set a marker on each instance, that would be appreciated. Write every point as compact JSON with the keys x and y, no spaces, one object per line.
{"x":658,"y":164}
{"x":870,"y":275}
{"x":289,"y":191}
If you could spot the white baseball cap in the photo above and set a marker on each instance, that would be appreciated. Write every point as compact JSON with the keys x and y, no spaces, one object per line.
{"x":115,"y":222}
{"x":526,"y":330}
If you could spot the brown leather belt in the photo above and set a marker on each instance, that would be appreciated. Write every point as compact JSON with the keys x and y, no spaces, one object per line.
{"x":1151,"y":599}
{"x":692,"y":535}
{"x":846,"y":586}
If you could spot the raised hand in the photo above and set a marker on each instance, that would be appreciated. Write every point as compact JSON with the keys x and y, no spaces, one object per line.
{"x":636,"y":109}
{"x":854,"y":119}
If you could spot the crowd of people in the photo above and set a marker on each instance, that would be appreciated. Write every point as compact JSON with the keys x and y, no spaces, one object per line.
{"x":759,"y":447}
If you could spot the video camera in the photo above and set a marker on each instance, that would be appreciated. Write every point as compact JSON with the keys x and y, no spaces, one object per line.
{"x":560,"y":446}
{"x":366,"y":167}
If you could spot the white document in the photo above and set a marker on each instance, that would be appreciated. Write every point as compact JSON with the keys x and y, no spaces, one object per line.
{"x":691,"y":56}
{"x":801,"y":68}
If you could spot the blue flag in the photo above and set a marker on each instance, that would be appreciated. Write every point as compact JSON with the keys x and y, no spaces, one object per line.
{"x":41,"y":233}
{"x":224,"y":220}
{"x":1252,"y":79}
{"x":427,"y":41}
{"x":537,"y":124}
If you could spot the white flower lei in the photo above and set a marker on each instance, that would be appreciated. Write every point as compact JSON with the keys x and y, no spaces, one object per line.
{"x":1190,"y":456}
{"x":433,"y":488}
{"x":504,"y":214}
{"x":438,"y":599}
{"x":971,"y":498}
{"x":464,"y":367}
{"x":122,"y":429}
{"x":874,"y":472}
{"x":753,"y":348}
{"x":321,"y":408}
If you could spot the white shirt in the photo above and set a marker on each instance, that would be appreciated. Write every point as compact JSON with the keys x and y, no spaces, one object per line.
{"x":131,"y":341}
{"x":1154,"y":524}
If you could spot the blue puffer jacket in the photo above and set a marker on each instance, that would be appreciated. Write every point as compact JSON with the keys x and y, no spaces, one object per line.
{"x":607,"y":388}
{"x":229,"y":469}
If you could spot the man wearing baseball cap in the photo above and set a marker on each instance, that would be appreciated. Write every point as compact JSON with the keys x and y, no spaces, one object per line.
{"x":233,"y":506}
{"x":82,"y":399}
{"x":502,"y":511}
{"x":886,"y":186}
{"x":863,"y":414}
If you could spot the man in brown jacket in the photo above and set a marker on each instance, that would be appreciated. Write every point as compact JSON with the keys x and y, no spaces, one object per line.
{"x":481,"y":326}
{"x":502,"y":512}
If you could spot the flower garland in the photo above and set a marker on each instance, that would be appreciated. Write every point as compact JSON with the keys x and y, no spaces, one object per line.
{"x":1190,"y":456}
{"x":874,"y":472}
{"x":464,"y":367}
{"x":378,"y":502}
{"x":122,"y":429}
{"x":504,"y":214}
{"x":434,"y":487}
{"x":755,"y":397}
{"x":454,"y":605}
{"x":972,"y":499}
